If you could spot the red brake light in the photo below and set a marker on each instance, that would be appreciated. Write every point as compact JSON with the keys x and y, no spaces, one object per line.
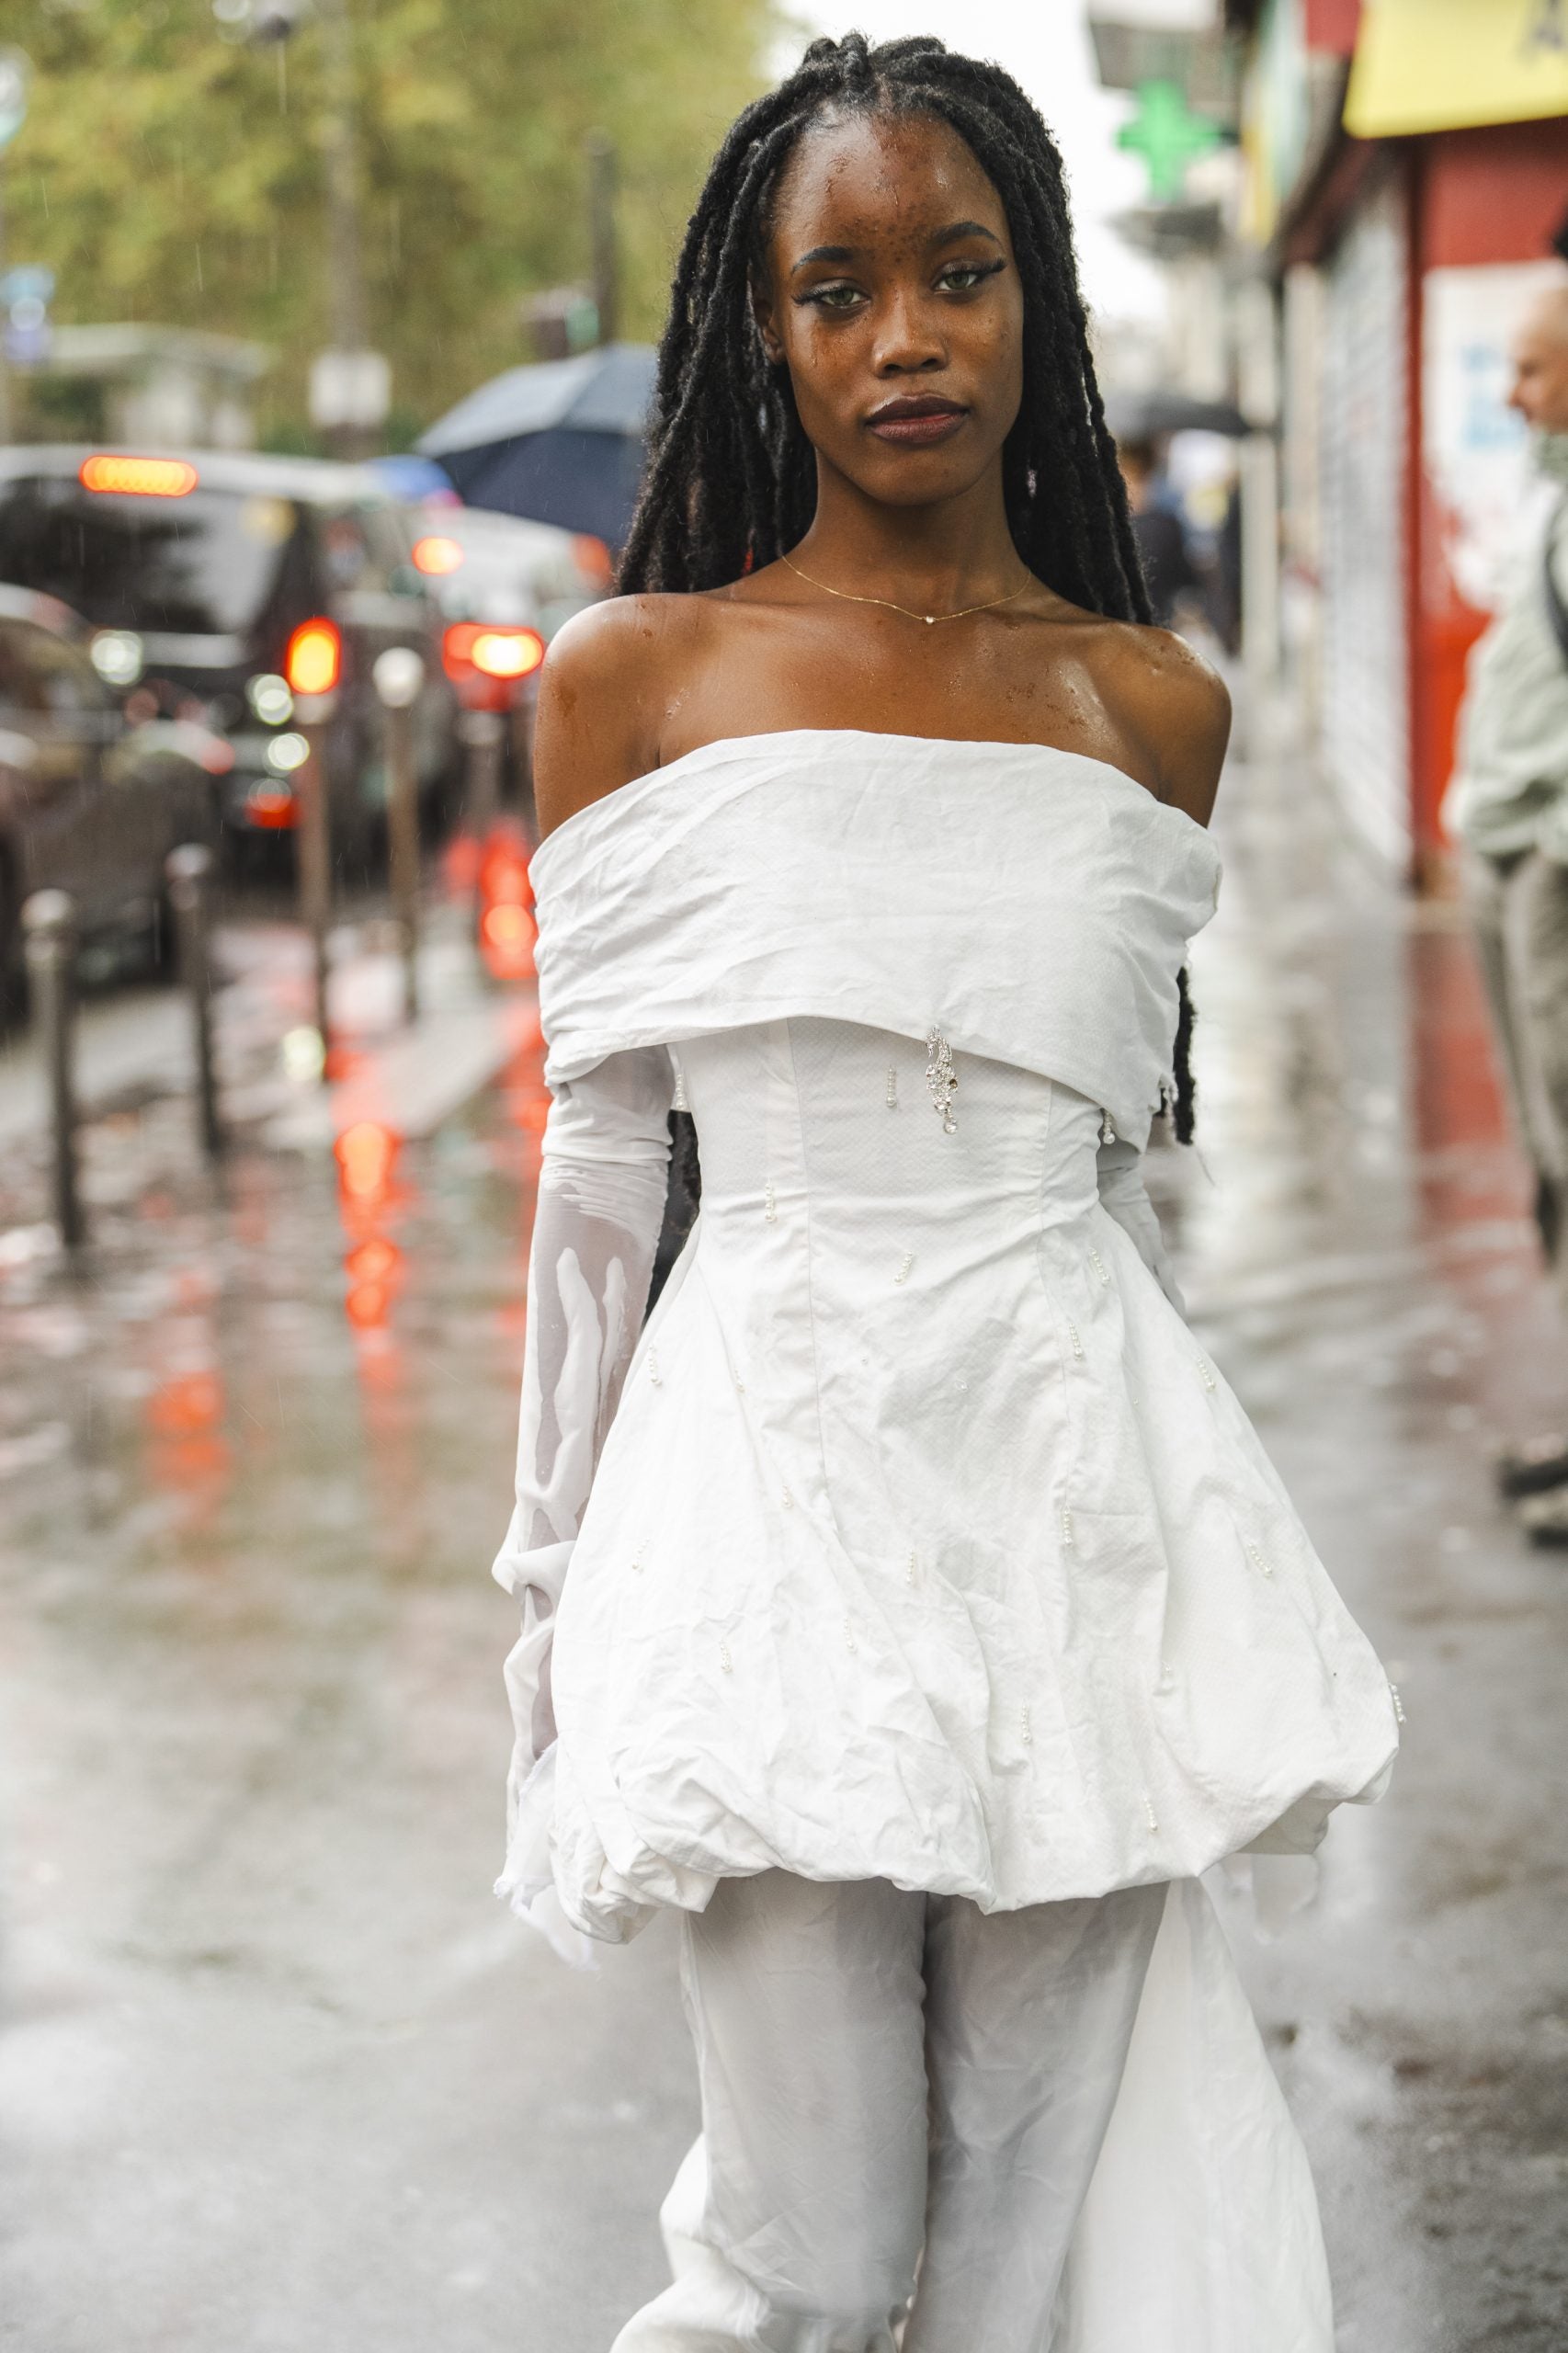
{"x":138,"y":477}
{"x":313,"y":663}
{"x":507,"y":653}
{"x":495,"y":652}
{"x":437,"y":554}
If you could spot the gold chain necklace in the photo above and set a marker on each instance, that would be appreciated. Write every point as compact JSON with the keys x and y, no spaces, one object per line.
{"x":888,"y":605}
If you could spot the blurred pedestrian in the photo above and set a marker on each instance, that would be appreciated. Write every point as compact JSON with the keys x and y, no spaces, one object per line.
{"x":1508,"y":804}
{"x":1159,"y":529}
{"x":910,"y":1607}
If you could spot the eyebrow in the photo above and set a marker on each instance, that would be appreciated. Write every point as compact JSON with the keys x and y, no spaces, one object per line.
{"x":945,"y":236}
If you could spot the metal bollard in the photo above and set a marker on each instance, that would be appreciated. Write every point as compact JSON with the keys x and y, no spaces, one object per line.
{"x":49,"y":931}
{"x":484,"y":733}
{"x":399,"y":677}
{"x":313,"y":852}
{"x":190,"y":872}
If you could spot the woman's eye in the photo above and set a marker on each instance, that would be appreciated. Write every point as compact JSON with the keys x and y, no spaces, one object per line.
{"x":961,"y":276}
{"x":834,"y":298}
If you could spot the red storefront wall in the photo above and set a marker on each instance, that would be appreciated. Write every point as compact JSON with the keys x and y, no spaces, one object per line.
{"x":1491,"y":195}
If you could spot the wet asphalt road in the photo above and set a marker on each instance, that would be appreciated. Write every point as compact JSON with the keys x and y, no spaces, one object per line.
{"x":277,"y":2075}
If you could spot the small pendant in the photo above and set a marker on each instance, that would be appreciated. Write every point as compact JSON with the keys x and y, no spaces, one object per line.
{"x":941,"y":1079}
{"x":931,"y":620}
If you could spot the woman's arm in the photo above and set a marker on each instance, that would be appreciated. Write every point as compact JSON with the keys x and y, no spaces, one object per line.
{"x":601,"y":1197}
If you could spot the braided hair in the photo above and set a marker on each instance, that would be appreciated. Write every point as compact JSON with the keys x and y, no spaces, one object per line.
{"x":730,"y":483}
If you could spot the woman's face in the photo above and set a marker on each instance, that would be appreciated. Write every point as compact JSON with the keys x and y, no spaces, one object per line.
{"x":892,"y":296}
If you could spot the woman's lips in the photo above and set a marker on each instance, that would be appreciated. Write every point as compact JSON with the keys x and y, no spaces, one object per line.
{"x":919,"y":430}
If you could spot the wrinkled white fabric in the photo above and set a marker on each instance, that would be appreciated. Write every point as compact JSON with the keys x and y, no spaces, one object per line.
{"x":984,"y":2055}
{"x":925,"y":1549}
{"x":925,"y":1544}
{"x":1065,"y":2113}
{"x":601,"y":1195}
{"x":600,"y":1205}
{"x":1035,"y":904}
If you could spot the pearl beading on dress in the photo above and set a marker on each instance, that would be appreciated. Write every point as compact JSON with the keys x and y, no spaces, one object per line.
{"x":1255,"y":1557}
{"x":941,"y":1079}
{"x":907,"y":1261}
{"x":1398,"y":1703}
{"x":1098,"y":1265}
{"x":769,"y":1205}
{"x":893,"y":1088}
{"x":681,"y":1103}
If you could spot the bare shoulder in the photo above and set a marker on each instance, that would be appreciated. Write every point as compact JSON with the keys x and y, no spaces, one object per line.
{"x":603,"y":695}
{"x":1175,"y":708}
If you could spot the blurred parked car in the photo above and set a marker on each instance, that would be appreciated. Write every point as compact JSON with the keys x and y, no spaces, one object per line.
{"x":487,"y":567}
{"x":504,"y":587}
{"x":197,"y":571}
{"x":90,"y":802}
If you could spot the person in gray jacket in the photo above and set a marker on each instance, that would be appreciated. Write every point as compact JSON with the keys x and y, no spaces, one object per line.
{"x":1508,"y":805}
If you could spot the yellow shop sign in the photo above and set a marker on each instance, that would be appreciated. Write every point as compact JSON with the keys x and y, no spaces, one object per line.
{"x":1441,"y":65}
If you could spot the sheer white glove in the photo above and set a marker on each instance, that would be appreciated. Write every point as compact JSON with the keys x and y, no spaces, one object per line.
{"x":1119,"y":1169}
{"x":601,"y":1202}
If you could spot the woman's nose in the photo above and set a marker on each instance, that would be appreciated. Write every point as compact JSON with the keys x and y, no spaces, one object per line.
{"x":909,"y":340}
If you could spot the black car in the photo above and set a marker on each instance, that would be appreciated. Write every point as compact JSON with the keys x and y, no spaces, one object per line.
{"x":197,"y":571}
{"x":90,"y":802}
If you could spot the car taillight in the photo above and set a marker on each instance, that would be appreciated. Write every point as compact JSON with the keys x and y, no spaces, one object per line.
{"x":138,"y":477}
{"x":436,"y":555}
{"x":313,"y":663}
{"x":493,"y":650}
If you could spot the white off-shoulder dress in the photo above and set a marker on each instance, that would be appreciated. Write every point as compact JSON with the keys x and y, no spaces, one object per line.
{"x":915,"y":1537}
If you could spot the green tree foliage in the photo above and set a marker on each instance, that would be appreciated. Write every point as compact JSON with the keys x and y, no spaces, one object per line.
{"x":169,"y":175}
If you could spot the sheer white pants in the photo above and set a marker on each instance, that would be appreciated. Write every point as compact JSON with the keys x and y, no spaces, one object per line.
{"x":890,"y":2080}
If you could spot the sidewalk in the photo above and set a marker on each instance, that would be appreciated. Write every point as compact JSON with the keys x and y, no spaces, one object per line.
{"x":277,"y":2075}
{"x":134,"y":1050}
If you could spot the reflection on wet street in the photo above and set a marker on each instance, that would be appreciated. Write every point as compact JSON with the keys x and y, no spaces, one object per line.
{"x":275,"y":2070}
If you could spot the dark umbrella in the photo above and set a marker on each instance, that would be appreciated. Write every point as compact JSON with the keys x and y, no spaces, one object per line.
{"x":1146,"y":417}
{"x":561,"y":442}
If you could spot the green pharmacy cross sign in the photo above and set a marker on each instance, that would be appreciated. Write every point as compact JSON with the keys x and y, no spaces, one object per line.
{"x":1168,"y":136}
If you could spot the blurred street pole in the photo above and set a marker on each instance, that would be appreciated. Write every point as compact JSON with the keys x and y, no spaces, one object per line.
{"x":1257,"y":371}
{"x":190,"y":871}
{"x":14,"y":75}
{"x":346,"y":268}
{"x":484,"y":733}
{"x":313,"y":852}
{"x":5,"y":363}
{"x":48,"y":928}
{"x":599,"y":149}
{"x":399,"y":675}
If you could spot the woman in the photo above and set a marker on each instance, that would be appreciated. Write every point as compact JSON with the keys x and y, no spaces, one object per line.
{"x":933,"y":1616}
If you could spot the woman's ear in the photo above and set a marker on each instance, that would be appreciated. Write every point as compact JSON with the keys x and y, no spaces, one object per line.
{"x":764,"y":320}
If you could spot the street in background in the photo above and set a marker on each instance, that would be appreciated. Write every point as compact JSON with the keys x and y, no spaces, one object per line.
{"x":90,"y":803}
{"x":195,"y":571}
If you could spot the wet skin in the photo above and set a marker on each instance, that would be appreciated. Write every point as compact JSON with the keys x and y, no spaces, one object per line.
{"x":891,"y":286}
